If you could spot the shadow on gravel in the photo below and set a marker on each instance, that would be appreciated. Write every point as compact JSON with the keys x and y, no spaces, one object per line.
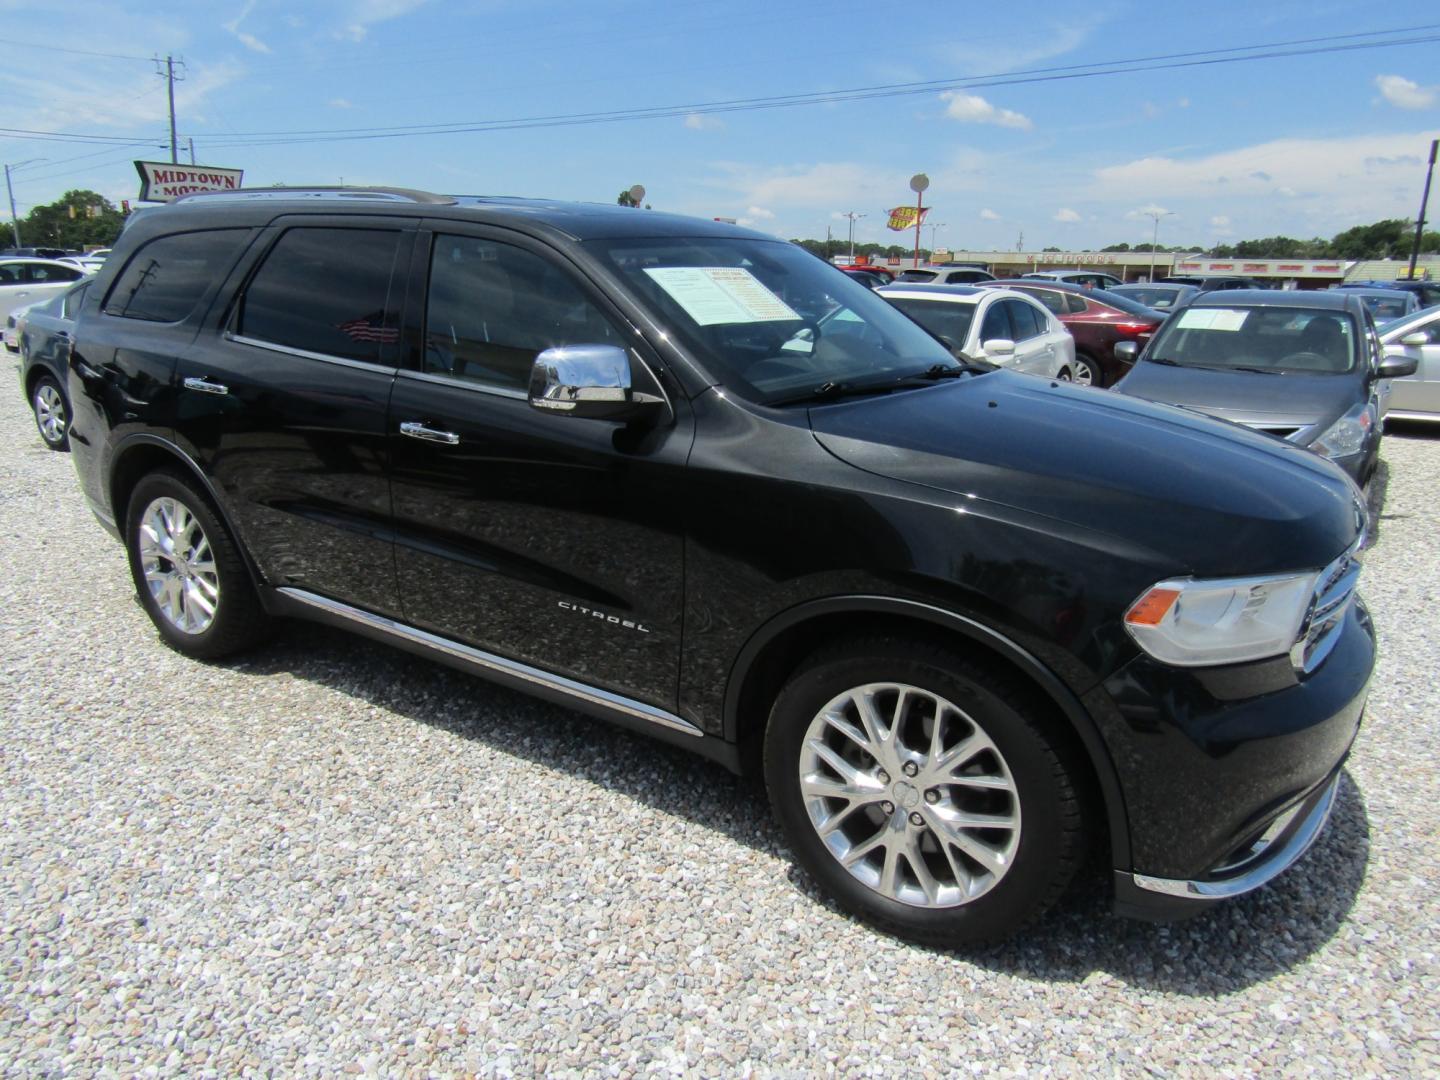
{"x":1226,"y":949}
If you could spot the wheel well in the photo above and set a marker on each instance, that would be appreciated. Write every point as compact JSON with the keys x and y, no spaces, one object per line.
{"x":783,"y":653}
{"x":135,"y":464}
{"x":38,"y":372}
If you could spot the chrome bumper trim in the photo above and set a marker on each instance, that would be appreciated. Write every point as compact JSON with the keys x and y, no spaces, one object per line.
{"x":491,"y":662}
{"x":1284,"y":852}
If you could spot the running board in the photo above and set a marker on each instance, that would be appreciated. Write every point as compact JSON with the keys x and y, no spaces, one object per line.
{"x":490,"y":664}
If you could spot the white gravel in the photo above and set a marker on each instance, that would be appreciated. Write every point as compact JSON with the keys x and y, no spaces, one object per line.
{"x":335,"y":858}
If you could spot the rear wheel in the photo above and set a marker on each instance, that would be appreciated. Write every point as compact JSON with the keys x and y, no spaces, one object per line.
{"x":1064,"y":375}
{"x":1087,"y":372}
{"x":52,"y":413}
{"x":928,"y":795}
{"x":188,"y":570}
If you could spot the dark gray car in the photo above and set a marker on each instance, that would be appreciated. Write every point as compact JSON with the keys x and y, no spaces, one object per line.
{"x":46,"y":336}
{"x":1304,"y":367}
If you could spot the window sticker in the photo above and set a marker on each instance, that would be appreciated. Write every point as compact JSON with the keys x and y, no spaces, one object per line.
{"x":720,"y":294}
{"x":1212,"y":319}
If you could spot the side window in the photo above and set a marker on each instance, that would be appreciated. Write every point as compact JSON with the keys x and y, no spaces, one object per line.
{"x":1433,"y":331}
{"x":45,"y":273}
{"x":1024,"y":319}
{"x":10,"y":274}
{"x":1075,"y":303}
{"x":166,"y":278}
{"x":325,"y":291}
{"x":74,"y":300}
{"x":492,"y":308}
{"x":996,"y":324}
{"x":1055,"y":301}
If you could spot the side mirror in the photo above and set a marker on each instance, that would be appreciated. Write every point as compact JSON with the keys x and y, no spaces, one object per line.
{"x":1127,"y":351}
{"x":1415,"y":339}
{"x":999,"y":347}
{"x":1396,"y":366}
{"x":590,"y":381}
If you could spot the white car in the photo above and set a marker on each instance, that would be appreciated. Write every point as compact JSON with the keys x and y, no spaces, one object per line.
{"x":29,"y":281}
{"x":1005,"y":327}
{"x":1414,"y":397}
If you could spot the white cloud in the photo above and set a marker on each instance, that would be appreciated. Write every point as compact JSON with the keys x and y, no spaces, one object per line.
{"x":1183,"y":103}
{"x":1149,"y":211}
{"x":89,"y":99}
{"x":989,"y":215}
{"x":1220,"y":224}
{"x":1066,"y":215}
{"x":760,"y":213}
{"x":363,"y":14}
{"x":250,"y":41}
{"x":989,"y":56}
{"x":973,"y":109}
{"x":832,"y":183}
{"x":703,"y":122}
{"x":340,"y":103}
{"x":1405,"y":94}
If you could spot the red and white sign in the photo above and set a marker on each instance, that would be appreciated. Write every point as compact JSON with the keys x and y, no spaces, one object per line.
{"x":160,"y":181}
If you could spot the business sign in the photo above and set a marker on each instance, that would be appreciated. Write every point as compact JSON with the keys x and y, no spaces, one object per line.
{"x":162,"y":181}
{"x":906,"y":217}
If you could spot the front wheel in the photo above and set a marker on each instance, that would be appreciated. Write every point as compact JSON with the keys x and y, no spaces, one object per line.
{"x":927,"y":794}
{"x":188,"y":570}
{"x":52,"y":413}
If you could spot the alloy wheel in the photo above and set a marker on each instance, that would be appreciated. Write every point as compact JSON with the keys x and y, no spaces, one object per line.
{"x":178,"y":565}
{"x":1084,"y":373}
{"x":910,"y":795}
{"x":50,"y":413}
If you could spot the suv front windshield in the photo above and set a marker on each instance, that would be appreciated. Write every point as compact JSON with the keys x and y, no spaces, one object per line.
{"x":1258,"y":338}
{"x":769,"y":320}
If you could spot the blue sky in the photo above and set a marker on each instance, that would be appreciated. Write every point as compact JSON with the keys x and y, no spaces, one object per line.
{"x":1301,"y":145}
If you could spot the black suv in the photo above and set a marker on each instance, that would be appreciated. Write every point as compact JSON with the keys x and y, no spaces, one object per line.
{"x":965,"y":622}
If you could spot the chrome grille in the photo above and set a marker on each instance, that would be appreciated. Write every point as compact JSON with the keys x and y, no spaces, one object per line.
{"x":1333,"y":594}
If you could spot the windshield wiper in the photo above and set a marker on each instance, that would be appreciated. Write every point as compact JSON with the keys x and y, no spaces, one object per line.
{"x":1258,"y":370}
{"x":1163,"y":360}
{"x":831,"y":391}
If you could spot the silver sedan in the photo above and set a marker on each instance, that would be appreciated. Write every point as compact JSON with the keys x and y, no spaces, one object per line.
{"x":1415,"y":397}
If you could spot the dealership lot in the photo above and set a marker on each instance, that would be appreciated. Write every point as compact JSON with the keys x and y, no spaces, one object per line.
{"x":333,"y":856}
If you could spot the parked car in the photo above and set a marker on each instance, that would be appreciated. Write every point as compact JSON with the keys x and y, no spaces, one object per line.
{"x":84,"y":262}
{"x":959,"y":619}
{"x":1427,"y":291}
{"x":1415,"y":396}
{"x":27,"y":281}
{"x":944,"y":275}
{"x":881,"y":270}
{"x":1098,"y":319}
{"x":1090,"y":279}
{"x":1301,"y":366}
{"x":45,"y":336}
{"x":33,"y":252}
{"x":1007,"y":329}
{"x":1214,"y":282}
{"x":1159,"y":296}
{"x":1387,"y":305}
{"x":868,"y":278}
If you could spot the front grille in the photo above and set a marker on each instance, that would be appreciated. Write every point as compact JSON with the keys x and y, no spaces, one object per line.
{"x":1331,"y":600}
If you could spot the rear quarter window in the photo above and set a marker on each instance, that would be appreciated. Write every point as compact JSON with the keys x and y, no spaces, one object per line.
{"x":166,"y":277}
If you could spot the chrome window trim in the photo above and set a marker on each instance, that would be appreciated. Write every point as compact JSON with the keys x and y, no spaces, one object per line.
{"x":492,"y":662}
{"x":287,"y":350}
{"x":461,"y":383}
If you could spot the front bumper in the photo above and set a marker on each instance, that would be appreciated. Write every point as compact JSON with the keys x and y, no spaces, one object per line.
{"x":1228,"y":774}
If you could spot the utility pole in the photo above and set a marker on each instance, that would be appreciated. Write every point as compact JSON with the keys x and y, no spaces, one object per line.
{"x":10,"y":191}
{"x":191,"y":140}
{"x":852,"y":215}
{"x":169,"y":76}
{"x":934,"y":227}
{"x":1155,"y":234}
{"x":1419,"y":221}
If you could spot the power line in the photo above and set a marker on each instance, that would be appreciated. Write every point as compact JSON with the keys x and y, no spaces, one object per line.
{"x":76,"y":52}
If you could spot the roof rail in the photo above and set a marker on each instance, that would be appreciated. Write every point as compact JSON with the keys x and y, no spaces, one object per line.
{"x":383,"y":194}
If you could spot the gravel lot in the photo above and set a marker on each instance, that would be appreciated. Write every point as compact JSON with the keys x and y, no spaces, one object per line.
{"x":332,"y":857}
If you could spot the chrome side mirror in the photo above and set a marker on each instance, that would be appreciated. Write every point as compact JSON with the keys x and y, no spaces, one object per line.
{"x":1126,"y":351}
{"x":590,"y":381}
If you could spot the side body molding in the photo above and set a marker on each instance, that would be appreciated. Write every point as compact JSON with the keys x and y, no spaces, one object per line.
{"x":1049,"y":683}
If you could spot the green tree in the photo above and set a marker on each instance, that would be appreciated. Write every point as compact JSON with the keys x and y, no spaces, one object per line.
{"x":626,"y":199}
{"x":76,"y":220}
{"x":1389,"y":239}
{"x":1116,"y":247}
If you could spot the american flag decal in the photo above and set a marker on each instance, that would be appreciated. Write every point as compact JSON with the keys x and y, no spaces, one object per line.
{"x":370,"y":328}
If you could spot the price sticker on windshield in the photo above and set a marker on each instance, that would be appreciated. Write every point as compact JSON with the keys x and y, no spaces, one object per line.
{"x":721,"y":294}
{"x":1212,"y":319}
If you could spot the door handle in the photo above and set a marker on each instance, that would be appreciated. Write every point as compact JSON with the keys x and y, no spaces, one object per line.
{"x":206,"y":387}
{"x":428,"y":434}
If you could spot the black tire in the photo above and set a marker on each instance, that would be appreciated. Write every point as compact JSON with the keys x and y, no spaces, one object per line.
{"x":1087,"y":371}
{"x":238,"y":621}
{"x":1064,"y":375}
{"x":1041,"y":762}
{"x":51,"y":409}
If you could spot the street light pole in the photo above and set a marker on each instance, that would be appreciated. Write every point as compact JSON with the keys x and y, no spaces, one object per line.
{"x":1155,"y":235}
{"x":1419,"y":221}
{"x":935,"y":226}
{"x":852,"y":215}
{"x":10,"y":191}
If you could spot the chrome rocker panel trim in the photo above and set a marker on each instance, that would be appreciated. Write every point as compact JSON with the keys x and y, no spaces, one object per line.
{"x":1284,"y":851}
{"x":489,"y":662}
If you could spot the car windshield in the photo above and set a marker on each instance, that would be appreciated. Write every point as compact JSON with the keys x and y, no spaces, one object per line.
{"x":1387,"y":307}
{"x":769,"y":320}
{"x":946,"y":319}
{"x":916,"y":275}
{"x":1266,"y":338}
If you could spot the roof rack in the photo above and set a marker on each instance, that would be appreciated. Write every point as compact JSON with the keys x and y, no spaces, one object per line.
{"x":379,"y":194}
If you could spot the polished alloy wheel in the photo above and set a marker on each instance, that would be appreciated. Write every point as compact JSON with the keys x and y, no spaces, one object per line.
{"x":1084,"y":373}
{"x":910,"y":795}
{"x":50,"y":413}
{"x":178,"y":565}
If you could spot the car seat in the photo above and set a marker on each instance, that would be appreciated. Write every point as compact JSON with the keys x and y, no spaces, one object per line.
{"x":1324,"y":337}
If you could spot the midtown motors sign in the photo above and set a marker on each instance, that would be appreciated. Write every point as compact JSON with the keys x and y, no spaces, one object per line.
{"x":160,"y":181}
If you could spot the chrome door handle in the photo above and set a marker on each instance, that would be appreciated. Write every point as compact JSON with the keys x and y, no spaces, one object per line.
{"x":428,"y":434}
{"x":206,"y":387}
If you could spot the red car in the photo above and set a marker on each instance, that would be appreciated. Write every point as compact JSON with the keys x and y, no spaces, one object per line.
{"x":1097,"y":320}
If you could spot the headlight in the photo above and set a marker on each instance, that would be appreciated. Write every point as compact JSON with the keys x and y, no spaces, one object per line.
{"x":1346,"y":436}
{"x":1194,"y":623}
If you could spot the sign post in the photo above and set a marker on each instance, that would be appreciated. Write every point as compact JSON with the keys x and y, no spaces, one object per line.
{"x":162,"y":181}
{"x":918,"y":183}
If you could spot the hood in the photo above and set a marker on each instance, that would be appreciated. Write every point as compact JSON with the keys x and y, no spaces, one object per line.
{"x":1212,"y":498}
{"x":1294,"y":406}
